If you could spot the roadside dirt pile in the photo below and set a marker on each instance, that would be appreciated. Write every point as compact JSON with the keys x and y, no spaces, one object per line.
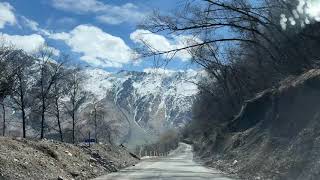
{"x":275,"y":136}
{"x":46,"y":159}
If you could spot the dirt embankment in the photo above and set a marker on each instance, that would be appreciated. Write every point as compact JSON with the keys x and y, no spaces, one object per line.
{"x":26,"y":159}
{"x":275,"y":136}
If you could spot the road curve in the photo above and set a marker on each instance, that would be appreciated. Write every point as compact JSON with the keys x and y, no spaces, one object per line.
{"x":179,"y":165}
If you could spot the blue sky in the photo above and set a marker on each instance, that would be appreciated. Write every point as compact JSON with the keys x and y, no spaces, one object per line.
{"x":100,"y":33}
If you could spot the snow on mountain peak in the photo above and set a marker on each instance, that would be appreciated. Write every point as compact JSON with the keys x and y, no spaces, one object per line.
{"x":97,"y":82}
{"x":153,"y":97}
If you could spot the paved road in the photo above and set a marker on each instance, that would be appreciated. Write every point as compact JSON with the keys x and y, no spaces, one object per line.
{"x":179,"y":165}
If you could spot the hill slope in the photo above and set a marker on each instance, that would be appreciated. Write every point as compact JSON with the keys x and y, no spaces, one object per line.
{"x":25,"y":159}
{"x":275,"y":136}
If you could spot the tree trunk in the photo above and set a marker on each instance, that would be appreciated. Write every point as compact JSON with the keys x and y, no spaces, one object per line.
{"x":43,"y":101}
{"x":23,"y":123}
{"x":42,"y":118}
{"x":58,"y":120}
{"x":23,"y":113}
{"x":4,"y":120}
{"x":60,"y":128}
{"x":89,"y":139}
{"x":95,"y":125}
{"x":73,"y":128}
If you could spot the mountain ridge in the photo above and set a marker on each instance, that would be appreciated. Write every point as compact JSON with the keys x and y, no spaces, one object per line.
{"x":150,"y":102}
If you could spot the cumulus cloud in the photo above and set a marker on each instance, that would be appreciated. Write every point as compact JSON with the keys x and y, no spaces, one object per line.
{"x":159,"y":43}
{"x":28,"y":43}
{"x":6,"y":15}
{"x":97,"y":47}
{"x":106,"y":13}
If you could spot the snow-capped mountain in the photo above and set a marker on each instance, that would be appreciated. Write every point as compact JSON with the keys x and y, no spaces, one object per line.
{"x":152,"y":101}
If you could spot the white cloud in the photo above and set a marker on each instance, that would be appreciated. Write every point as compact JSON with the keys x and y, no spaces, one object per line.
{"x":60,"y":36}
{"x":80,"y":7}
{"x":159,"y":43}
{"x":97,"y":47}
{"x":28,"y":43}
{"x":119,"y":14}
{"x":8,"y":17}
{"x":105,"y":13}
{"x":6,"y":14}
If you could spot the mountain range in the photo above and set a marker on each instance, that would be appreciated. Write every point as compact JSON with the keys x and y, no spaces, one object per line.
{"x":144,"y":104}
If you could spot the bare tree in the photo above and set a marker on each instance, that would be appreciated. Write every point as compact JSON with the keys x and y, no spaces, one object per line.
{"x":76,"y":97}
{"x":57,"y":106}
{"x":21,"y":91}
{"x":239,"y":43}
{"x":108,"y":129}
{"x":97,"y":116}
{"x":213,"y":27}
{"x":59,"y":91}
{"x":49,"y":73}
{"x":5,"y":79}
{"x":8,"y":55}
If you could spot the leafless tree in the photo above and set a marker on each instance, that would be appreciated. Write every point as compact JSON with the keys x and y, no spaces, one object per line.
{"x":50,"y":72}
{"x":6,"y":78}
{"x":97,"y":116}
{"x":76,"y":97}
{"x":59,"y":91}
{"x":21,"y":91}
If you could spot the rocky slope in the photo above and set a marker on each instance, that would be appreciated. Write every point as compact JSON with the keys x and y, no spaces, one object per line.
{"x":275,"y":136}
{"x":26,"y":159}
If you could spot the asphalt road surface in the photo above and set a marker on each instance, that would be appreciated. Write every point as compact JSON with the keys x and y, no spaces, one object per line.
{"x":179,"y":165}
